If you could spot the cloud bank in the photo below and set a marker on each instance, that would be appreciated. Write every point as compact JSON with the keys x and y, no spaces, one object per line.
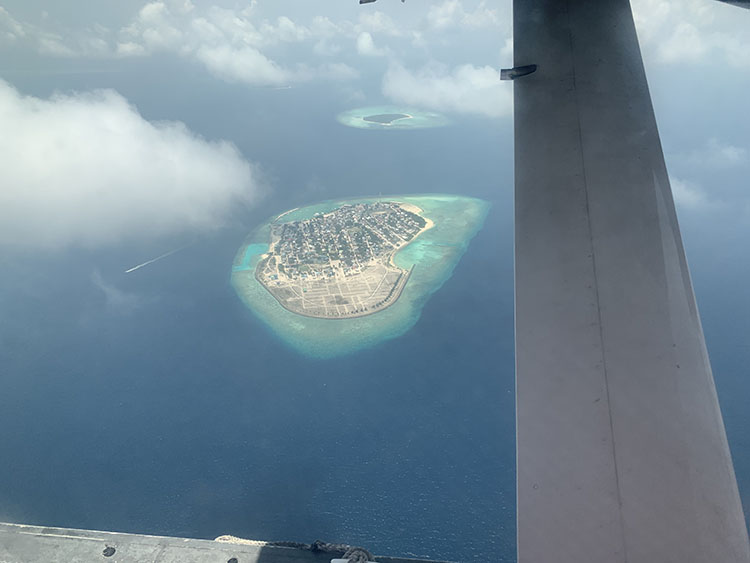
{"x":86,"y":169}
{"x":464,"y":89}
{"x":228,"y":42}
{"x":451,"y":13}
{"x":693,"y":32}
{"x":253,"y":44}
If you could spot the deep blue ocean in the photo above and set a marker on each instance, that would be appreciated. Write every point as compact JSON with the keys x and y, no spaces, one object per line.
{"x":155,"y":402}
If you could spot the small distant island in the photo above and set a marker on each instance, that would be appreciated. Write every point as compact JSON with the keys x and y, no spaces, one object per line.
{"x":339,"y":264}
{"x":393,"y":118}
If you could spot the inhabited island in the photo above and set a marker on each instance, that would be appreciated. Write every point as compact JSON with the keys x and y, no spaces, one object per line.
{"x":339,"y":276}
{"x":340,"y":264}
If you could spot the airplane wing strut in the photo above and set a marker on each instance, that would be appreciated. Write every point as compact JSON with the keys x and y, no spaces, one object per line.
{"x":621,"y":450}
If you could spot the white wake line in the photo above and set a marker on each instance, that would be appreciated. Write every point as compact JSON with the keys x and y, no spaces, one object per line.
{"x":134,"y":268}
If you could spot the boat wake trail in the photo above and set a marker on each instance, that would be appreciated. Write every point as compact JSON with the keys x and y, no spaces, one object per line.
{"x":139,"y":266}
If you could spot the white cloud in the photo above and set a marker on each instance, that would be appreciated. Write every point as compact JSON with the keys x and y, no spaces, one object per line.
{"x":230,"y":43}
{"x":87,"y":169}
{"x":326,"y":48}
{"x":326,"y":32}
{"x":376,"y":22}
{"x":366,"y":46}
{"x":506,"y":52}
{"x":465,"y":89}
{"x":451,"y":13}
{"x":693,"y":32}
{"x":243,"y":64}
{"x":255,"y":46}
{"x":714,"y":155}
{"x":722,"y":155}
{"x":116,"y":300}
{"x":156,"y":28}
{"x":445,"y":14}
{"x":90,"y":42}
{"x":233,"y":44}
{"x":130,"y":49}
{"x":10,"y":28}
{"x":285,"y":30}
{"x":54,"y":45}
{"x":687,"y":194}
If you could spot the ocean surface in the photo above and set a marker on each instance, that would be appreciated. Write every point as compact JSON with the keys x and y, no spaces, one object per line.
{"x":180,"y":413}
{"x":156,"y":402}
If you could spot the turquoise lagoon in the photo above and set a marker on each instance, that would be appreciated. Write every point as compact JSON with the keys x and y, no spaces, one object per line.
{"x":434,"y":254}
{"x":367,"y":118}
